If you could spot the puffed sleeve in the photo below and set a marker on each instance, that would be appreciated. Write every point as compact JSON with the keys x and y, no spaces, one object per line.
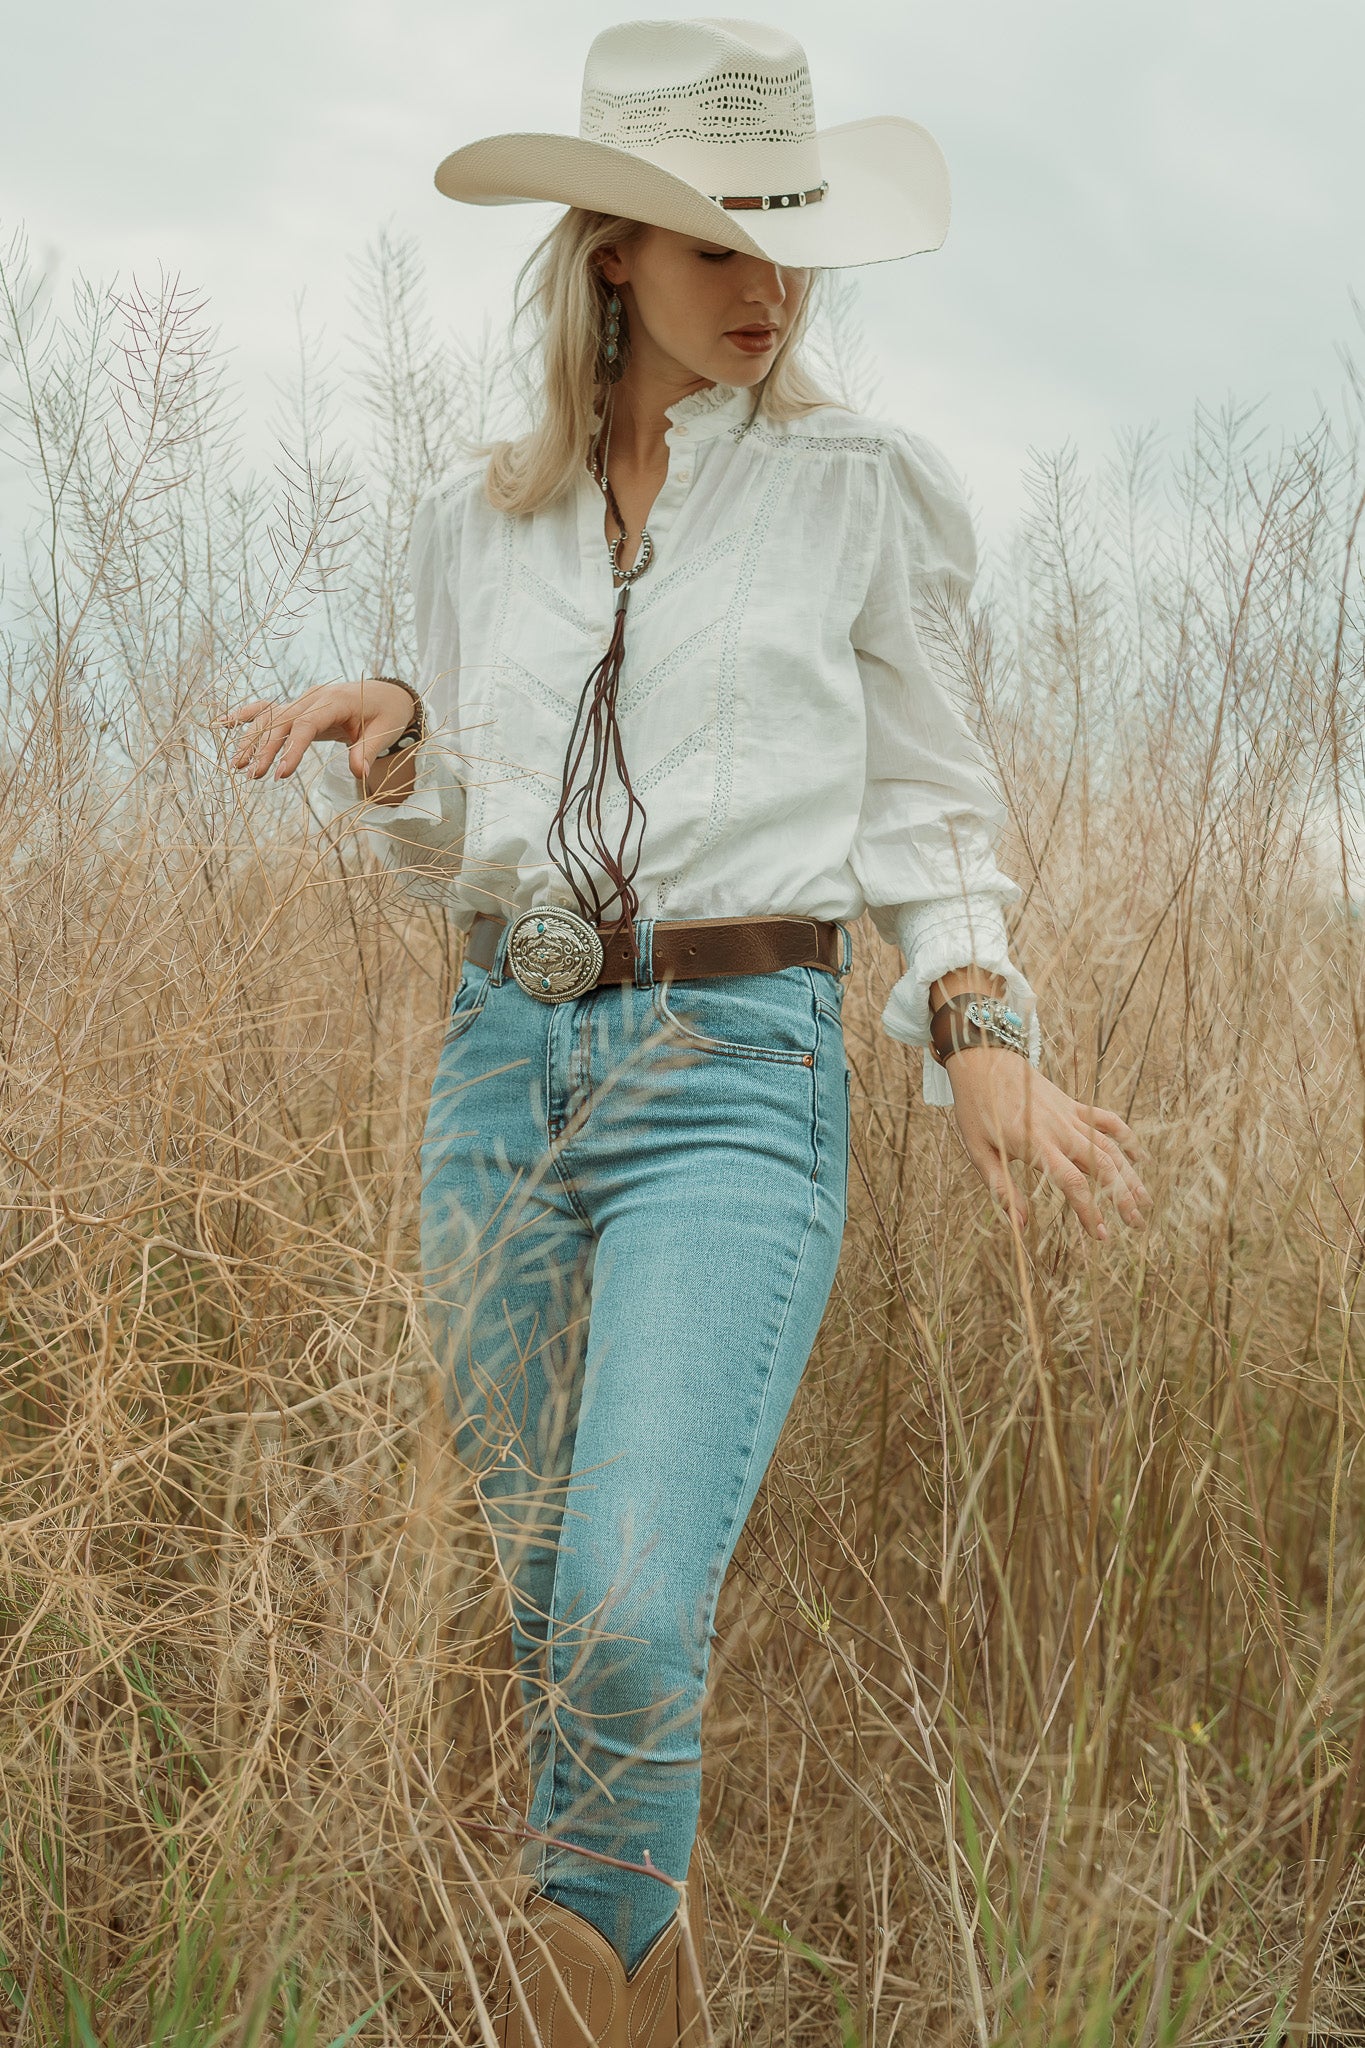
{"x":420,"y":838}
{"x":924,"y":849}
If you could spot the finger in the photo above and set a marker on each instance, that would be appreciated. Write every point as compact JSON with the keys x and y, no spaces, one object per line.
{"x":1131,"y":1178}
{"x":256,"y":729}
{"x":994,"y":1169}
{"x":1104,"y":1165}
{"x":363,"y":755}
{"x":262,"y":714}
{"x":1075,"y":1185}
{"x":1103,"y":1159}
{"x":302,"y":733}
{"x":1101,"y":1156}
{"x":1111,"y":1123}
{"x":272,"y":741}
{"x":378,"y":734}
{"x":241,"y":713}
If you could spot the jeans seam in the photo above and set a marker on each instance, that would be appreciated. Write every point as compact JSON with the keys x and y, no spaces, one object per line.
{"x":848,"y":1136}
{"x":815,"y":1098}
{"x":733,"y":1533}
{"x":553,"y":1746}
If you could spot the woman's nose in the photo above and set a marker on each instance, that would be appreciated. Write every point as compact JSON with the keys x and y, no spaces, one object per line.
{"x":768,"y":288}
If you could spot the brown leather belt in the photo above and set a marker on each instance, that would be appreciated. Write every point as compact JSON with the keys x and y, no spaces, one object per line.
{"x":687,"y":948}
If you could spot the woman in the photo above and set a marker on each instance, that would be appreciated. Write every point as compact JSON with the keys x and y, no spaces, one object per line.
{"x":635,"y":1161}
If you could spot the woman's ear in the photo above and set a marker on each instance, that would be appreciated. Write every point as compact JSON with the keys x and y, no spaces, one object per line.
{"x":608,"y":262}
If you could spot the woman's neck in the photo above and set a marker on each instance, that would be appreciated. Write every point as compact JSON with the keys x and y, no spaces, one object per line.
{"x":639,"y":414}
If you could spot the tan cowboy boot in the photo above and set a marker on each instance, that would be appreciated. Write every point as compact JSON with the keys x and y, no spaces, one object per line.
{"x":662,"y":2007}
{"x":593,"y":1976}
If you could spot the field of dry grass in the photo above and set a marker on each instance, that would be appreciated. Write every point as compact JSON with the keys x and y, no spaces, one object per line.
{"x":1038,"y":1713}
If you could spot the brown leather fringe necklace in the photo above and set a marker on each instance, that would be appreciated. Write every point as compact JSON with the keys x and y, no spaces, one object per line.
{"x":596,"y":739}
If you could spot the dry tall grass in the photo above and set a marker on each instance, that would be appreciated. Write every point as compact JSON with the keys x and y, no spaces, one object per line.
{"x":1039,"y":1702}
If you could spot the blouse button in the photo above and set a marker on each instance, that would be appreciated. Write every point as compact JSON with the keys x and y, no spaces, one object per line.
{"x":680,"y":430}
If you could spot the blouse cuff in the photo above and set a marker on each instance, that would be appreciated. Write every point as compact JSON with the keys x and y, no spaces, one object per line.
{"x":936,"y":938}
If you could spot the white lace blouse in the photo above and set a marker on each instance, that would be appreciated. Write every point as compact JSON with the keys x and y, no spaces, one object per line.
{"x":795,"y":742}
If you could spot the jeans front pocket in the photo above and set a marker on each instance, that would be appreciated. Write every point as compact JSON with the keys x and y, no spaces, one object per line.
{"x":744,"y":1016}
{"x":471,"y":993}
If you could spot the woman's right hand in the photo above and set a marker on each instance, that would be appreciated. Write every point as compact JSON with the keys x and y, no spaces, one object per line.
{"x":368,"y":716}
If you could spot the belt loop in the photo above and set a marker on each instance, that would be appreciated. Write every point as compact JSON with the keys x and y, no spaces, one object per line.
{"x":644,"y":952}
{"x":498,"y":971}
{"x":846,"y":964}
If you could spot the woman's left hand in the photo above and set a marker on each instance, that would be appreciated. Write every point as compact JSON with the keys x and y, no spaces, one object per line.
{"x":1007,"y":1110}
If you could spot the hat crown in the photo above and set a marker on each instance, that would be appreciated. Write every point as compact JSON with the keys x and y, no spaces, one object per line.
{"x":725,"y":103}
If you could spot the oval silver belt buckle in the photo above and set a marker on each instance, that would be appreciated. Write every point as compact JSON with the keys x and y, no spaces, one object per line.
{"x":553,"y":953}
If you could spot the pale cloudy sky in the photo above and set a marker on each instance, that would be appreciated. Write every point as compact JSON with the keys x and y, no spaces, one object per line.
{"x":1153,"y":203}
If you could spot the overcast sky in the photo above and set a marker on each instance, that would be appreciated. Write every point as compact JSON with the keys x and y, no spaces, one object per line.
{"x":1153,"y":203}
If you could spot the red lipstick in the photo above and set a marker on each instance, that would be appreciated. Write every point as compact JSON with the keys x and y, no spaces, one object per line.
{"x":755,"y":341}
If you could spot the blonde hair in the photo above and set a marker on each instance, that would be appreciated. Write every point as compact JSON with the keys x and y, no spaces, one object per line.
{"x":567,"y":300}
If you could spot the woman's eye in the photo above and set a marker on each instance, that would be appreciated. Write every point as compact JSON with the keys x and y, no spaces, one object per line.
{"x":715,"y":255}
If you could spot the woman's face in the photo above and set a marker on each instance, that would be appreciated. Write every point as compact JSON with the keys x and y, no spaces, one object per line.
{"x":687,"y":302}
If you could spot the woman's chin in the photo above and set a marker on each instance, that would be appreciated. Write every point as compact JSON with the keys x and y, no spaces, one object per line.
{"x":739,"y":366}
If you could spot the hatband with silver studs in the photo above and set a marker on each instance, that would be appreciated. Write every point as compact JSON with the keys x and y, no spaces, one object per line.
{"x":767,"y":200}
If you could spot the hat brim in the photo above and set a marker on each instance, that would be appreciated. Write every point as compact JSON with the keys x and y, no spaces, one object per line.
{"x":888,"y":192}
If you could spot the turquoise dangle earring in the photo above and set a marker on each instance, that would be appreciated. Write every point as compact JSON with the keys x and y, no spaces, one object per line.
{"x":612,"y":339}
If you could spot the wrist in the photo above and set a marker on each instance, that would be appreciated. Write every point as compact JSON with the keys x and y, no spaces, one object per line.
{"x":414,"y":730}
{"x":978,"y":1074}
{"x":979,"y":1057}
{"x":392,"y":773}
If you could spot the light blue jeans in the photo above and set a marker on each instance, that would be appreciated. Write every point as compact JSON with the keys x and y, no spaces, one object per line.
{"x":632,"y":1208}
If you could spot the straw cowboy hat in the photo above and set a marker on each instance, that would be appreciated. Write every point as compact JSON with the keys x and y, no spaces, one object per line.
{"x":707,"y":127}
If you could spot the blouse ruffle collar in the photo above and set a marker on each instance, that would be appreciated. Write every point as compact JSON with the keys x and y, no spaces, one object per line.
{"x":712,"y":410}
